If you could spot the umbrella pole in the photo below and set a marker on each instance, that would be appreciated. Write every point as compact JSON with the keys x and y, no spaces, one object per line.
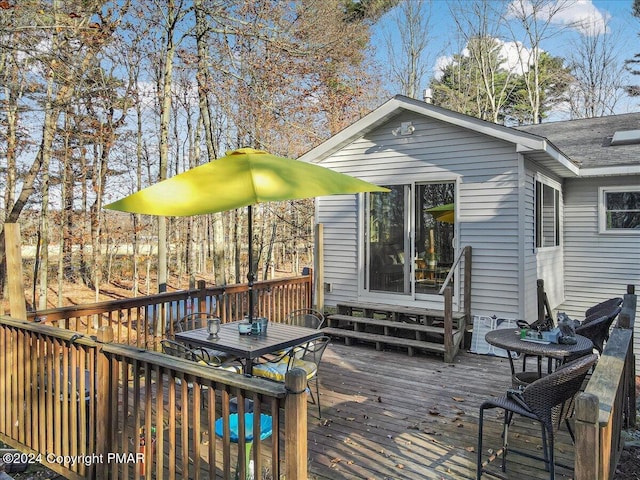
{"x":251,"y":276}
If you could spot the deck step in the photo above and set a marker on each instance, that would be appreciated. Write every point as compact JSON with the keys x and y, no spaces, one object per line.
{"x":349,"y":307}
{"x":413,"y":327}
{"x":381,"y":340}
{"x":398,"y":325}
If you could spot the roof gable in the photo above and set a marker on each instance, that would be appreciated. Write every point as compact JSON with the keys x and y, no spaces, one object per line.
{"x":525,"y":141}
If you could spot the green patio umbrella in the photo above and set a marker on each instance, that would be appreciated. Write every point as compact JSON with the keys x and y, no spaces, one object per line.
{"x":443,"y":213}
{"x":242,"y":178}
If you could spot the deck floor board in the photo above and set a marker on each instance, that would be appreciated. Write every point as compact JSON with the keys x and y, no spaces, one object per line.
{"x":390,"y":416}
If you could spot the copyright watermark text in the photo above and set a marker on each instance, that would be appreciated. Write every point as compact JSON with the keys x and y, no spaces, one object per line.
{"x":9,"y":458}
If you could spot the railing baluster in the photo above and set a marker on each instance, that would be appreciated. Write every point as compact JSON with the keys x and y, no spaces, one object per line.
{"x":90,"y":397}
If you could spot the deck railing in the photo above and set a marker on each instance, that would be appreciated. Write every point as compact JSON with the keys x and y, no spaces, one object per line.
{"x":92,"y":409}
{"x":141,"y":321}
{"x":608,"y":404}
{"x":451,"y":344}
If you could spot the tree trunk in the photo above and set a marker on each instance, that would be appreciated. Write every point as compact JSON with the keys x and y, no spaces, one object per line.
{"x":165,"y":118}
{"x":50,"y":124}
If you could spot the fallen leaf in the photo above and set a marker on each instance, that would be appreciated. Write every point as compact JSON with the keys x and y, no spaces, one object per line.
{"x":470,"y":449}
{"x":458,"y":399}
{"x":400,"y":466}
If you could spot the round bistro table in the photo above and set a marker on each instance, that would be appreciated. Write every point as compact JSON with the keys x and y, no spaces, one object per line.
{"x":509,"y":339}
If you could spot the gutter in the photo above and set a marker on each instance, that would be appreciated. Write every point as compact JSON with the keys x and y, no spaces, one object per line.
{"x":604,"y":171}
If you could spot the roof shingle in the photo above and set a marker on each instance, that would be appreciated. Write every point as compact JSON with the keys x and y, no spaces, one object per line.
{"x":587,"y":141}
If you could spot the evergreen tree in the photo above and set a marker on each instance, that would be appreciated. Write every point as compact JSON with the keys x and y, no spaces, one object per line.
{"x":633,"y":64}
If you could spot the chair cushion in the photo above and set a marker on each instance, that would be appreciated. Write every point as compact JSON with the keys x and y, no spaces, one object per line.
{"x":228,"y":368}
{"x":277,"y":370}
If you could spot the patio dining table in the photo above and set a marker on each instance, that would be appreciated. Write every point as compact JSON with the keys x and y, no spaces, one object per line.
{"x":509,"y":339}
{"x":249,"y":348}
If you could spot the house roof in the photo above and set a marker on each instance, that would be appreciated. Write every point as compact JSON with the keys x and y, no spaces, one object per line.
{"x":542,"y":144}
{"x":588,"y":142}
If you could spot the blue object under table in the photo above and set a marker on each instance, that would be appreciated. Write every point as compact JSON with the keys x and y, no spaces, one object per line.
{"x":266,"y":429}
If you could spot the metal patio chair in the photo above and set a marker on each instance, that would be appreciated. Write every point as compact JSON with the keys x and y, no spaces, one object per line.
{"x":194,"y":320}
{"x":306,"y":356}
{"x":305,"y":317}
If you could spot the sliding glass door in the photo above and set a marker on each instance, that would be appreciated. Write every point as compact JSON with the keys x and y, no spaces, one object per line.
{"x":387,"y":240}
{"x":409,"y":238}
{"x":434,"y":250}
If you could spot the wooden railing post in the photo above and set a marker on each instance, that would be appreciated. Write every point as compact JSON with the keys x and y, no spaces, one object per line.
{"x":467,"y":284}
{"x":15,"y":282}
{"x":103,"y":411}
{"x":449,"y":352}
{"x":318,"y":269}
{"x":202,"y":296}
{"x":626,"y":319}
{"x":295,"y":424}
{"x":309,"y":290}
{"x":540,"y":297}
{"x":587,"y":433}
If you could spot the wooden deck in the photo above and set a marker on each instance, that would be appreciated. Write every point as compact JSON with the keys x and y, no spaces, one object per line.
{"x":390,"y":416}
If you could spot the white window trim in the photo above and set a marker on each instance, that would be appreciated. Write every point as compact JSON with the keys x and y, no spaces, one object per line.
{"x":602,"y":212}
{"x":544,"y":180}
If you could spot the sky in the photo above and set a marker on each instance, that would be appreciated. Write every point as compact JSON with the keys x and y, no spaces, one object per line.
{"x":443,"y":41}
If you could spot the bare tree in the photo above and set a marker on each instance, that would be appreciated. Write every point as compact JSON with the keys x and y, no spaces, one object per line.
{"x":599,"y":76}
{"x":535,"y":17}
{"x":407,"y":58}
{"x":478,"y":23}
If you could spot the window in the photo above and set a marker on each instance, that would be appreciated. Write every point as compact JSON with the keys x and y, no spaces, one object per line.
{"x":620,"y":209}
{"x":547,"y":215}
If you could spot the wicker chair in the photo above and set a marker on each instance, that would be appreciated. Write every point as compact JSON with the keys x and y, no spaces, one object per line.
{"x":548,"y":400}
{"x":596,"y":327}
{"x":606,"y":306}
{"x":305,"y":317}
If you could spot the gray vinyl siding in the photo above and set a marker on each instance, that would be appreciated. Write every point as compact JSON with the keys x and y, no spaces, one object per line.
{"x":488,"y":203}
{"x":597,"y":265}
{"x":339,"y":215}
